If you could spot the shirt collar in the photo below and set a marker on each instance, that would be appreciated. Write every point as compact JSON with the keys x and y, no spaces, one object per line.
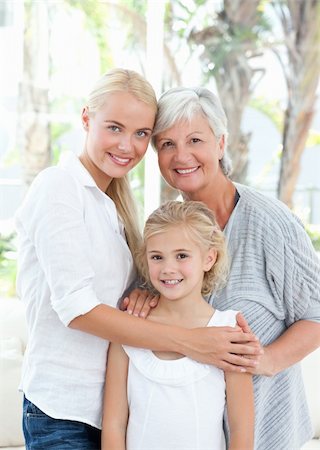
{"x":72,"y":163}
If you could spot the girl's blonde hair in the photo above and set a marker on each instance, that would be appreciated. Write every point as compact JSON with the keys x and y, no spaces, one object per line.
{"x":201,"y":226}
{"x":122,"y":80}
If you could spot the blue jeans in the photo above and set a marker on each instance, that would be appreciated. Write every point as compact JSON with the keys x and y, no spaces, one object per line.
{"x":42,"y":432}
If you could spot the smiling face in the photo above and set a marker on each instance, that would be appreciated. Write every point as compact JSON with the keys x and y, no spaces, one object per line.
{"x":189,"y":155}
{"x":177,"y":264}
{"x":118,"y":135}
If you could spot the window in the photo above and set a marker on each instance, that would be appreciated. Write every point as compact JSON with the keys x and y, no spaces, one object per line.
{"x":6,"y":13}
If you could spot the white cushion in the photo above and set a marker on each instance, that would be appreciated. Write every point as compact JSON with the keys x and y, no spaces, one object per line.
{"x":12,"y":319}
{"x":10,"y":398}
{"x":311,"y":377}
{"x":12,"y":448}
{"x":13,"y":339}
{"x":312,"y":445}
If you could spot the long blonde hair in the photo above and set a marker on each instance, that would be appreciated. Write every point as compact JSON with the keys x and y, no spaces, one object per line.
{"x":119,"y":190}
{"x":202,"y":228}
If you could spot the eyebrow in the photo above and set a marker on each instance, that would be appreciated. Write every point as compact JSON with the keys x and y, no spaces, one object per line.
{"x":199,"y":132}
{"x":115,"y":122}
{"x":169,"y":138}
{"x":177,"y":250}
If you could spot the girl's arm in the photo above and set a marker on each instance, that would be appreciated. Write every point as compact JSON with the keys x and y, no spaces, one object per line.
{"x":115,"y":407}
{"x":240,"y":408}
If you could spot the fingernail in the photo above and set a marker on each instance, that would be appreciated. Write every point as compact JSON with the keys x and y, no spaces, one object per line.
{"x":142,"y":314}
{"x":129,"y":311}
{"x":243,"y":370}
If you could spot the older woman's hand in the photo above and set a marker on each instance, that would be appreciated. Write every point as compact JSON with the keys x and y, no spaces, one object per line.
{"x":228,"y":348}
{"x":265,"y":364}
{"x":139,"y":302}
{"x":258,"y":358}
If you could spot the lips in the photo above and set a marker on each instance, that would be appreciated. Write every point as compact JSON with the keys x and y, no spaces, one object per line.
{"x":187,"y":171}
{"x":118,"y":160}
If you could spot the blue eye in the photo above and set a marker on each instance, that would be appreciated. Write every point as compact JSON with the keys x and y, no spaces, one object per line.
{"x":195,"y":140}
{"x":182,"y":256}
{"x":142,"y":133}
{"x":114,"y":128}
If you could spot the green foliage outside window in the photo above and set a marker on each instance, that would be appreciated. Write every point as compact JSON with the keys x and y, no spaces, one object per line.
{"x":8,"y":265}
{"x":314,"y":234}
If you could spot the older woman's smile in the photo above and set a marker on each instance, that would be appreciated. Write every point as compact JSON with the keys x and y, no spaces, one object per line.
{"x":187,"y":171}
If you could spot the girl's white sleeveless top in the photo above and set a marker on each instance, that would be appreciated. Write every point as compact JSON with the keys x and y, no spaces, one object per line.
{"x":176,"y":404}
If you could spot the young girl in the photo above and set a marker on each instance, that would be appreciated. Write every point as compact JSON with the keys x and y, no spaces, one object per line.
{"x":162,"y":400}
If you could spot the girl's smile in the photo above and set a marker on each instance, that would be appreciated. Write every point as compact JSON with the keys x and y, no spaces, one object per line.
{"x":177,"y":270}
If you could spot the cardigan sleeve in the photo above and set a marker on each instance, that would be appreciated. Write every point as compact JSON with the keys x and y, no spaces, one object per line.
{"x":301,"y":275}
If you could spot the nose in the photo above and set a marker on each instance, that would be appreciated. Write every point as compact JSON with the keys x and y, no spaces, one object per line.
{"x":181,"y":154}
{"x":168,"y":268}
{"x":125,"y":144}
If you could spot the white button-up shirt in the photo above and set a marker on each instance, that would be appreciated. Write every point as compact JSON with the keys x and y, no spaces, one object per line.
{"x":73,"y":256}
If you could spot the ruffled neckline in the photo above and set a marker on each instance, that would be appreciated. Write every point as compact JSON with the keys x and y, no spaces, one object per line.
{"x":176,"y":372}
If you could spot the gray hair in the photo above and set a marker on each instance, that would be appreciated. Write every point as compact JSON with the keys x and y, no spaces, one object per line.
{"x":179,"y":104}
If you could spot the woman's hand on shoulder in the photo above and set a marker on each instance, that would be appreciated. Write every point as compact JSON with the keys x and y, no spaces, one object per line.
{"x":139,"y":302}
{"x":265,"y":364}
{"x":228,"y":348}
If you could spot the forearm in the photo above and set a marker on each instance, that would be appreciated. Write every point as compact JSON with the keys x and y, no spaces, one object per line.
{"x":244,"y":440}
{"x":119,"y":327}
{"x":240,"y":406}
{"x":242,"y":434}
{"x":300,"y":339}
{"x":218,"y":346}
{"x":113,"y":440}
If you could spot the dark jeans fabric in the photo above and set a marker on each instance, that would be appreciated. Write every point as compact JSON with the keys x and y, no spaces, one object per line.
{"x":42,"y":432}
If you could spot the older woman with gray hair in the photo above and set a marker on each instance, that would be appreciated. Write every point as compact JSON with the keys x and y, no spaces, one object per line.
{"x":275,"y":273}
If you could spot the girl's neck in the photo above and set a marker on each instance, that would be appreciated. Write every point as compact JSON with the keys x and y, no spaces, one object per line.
{"x":187,"y":312}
